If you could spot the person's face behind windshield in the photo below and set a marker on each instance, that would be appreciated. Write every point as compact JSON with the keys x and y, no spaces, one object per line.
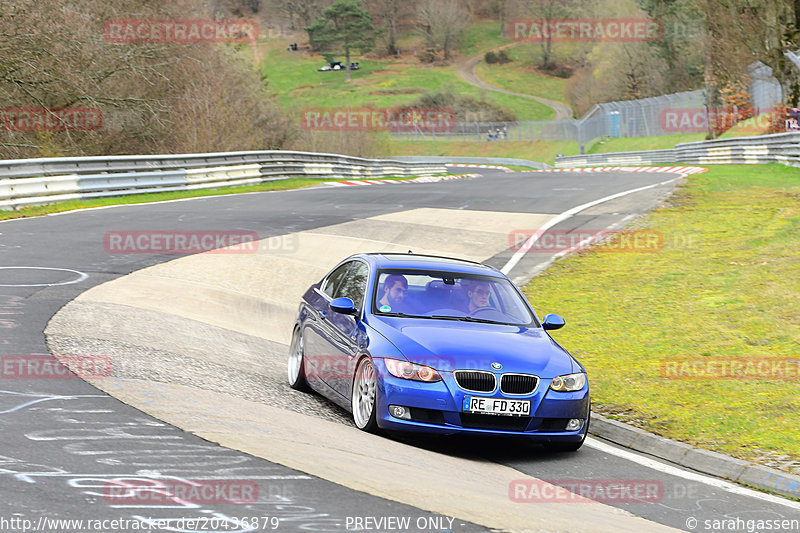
{"x":396,"y":294}
{"x":479,"y":294}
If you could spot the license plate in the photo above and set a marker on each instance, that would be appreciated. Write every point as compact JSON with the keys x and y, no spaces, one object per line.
{"x":497,"y":406}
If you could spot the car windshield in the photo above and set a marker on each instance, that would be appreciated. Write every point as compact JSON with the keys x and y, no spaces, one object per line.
{"x":450,"y":296}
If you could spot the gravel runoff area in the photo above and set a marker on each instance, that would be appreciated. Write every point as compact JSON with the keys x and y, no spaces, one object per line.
{"x":258,"y":375}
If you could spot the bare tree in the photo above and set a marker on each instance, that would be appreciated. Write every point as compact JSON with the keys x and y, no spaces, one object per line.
{"x":765,"y":29}
{"x":546,"y":13}
{"x":391,"y":13}
{"x":301,"y":13}
{"x":53,"y":54}
{"x":443,"y":22}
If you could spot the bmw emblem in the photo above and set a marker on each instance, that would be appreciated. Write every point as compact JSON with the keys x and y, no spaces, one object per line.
{"x":497,"y":366}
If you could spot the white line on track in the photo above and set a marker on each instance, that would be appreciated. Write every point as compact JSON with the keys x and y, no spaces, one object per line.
{"x":81,"y":276}
{"x":694,"y":476}
{"x":518,"y":255}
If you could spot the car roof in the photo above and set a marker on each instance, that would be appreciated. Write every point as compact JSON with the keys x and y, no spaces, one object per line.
{"x":389,"y":260}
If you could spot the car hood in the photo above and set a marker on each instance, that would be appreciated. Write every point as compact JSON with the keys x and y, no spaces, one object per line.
{"x":450,"y":345}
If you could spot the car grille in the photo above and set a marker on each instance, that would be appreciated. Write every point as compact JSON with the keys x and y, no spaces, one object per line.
{"x":518,"y":383}
{"x":475,"y":380}
{"x":500,"y":423}
{"x":429,"y":416}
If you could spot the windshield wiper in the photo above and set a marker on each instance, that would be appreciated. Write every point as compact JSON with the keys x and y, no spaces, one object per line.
{"x":467,"y":319}
{"x":406,"y":315}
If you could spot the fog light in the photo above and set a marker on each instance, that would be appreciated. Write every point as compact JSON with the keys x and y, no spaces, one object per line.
{"x":398,"y":411}
{"x":574,"y":424}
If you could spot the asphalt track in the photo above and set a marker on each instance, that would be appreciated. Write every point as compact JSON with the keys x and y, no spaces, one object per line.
{"x":63,"y":439}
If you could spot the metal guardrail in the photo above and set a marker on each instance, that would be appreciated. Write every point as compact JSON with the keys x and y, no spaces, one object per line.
{"x":777,"y":148}
{"x":473,"y":160}
{"x":26,"y":182}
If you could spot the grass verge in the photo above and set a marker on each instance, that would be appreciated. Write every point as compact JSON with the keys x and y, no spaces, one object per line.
{"x":632,"y":144}
{"x":72,"y":205}
{"x":724,"y":286}
{"x":542,"y":151}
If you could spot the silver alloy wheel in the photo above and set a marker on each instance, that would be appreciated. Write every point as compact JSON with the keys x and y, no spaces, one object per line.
{"x":364,"y":393}
{"x":295,"y":358}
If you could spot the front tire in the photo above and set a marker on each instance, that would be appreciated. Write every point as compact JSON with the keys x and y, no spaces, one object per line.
{"x":365,"y":387}
{"x":296,"y":365}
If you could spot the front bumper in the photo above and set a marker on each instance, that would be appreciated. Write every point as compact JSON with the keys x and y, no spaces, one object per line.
{"x":436,"y":408}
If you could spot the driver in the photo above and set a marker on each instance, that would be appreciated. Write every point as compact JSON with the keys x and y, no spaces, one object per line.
{"x":394,"y":292}
{"x":478,"y":294}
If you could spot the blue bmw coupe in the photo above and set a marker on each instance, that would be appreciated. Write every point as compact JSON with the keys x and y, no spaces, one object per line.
{"x":438,"y":345}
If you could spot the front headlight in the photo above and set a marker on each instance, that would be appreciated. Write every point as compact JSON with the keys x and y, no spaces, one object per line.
{"x":406,"y":370}
{"x":569,"y":383}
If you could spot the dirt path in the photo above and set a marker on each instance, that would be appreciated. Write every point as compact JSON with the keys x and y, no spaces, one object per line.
{"x":466,"y":69}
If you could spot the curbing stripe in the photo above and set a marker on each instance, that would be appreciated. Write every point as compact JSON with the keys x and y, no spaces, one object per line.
{"x":423,"y":179}
{"x":670,"y":170}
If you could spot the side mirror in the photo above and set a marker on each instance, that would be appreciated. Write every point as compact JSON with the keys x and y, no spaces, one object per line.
{"x":552,"y":322}
{"x":344,"y":306}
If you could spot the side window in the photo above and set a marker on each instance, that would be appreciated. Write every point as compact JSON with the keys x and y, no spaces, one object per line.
{"x":354,"y":284}
{"x":334,"y":279}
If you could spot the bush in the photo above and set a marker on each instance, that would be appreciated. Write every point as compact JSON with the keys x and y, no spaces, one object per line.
{"x":503,"y":57}
{"x":500,"y":57}
{"x":466,"y":108}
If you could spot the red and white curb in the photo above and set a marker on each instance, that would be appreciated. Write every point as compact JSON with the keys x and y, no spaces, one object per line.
{"x":669,"y":170}
{"x":422,"y":179}
{"x":504,"y":169}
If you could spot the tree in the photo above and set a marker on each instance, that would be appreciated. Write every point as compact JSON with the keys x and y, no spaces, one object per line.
{"x":683,"y":42}
{"x":306,"y":11}
{"x":548,"y":11}
{"x":343,"y":27}
{"x":391,"y":12}
{"x":443,"y":21}
{"x":766,"y":29}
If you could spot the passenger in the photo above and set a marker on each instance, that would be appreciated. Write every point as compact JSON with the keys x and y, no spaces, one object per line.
{"x":394,"y":292}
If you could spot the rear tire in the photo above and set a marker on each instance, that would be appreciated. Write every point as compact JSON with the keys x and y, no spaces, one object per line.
{"x":296,"y":365}
{"x":362,"y":400}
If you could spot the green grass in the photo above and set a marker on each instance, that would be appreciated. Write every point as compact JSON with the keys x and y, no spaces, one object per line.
{"x":480,"y":38}
{"x":294,"y":79}
{"x":522,"y":77}
{"x":542,"y":151}
{"x":750,"y":127}
{"x":72,"y":205}
{"x":630,"y":144}
{"x":725,"y":285}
